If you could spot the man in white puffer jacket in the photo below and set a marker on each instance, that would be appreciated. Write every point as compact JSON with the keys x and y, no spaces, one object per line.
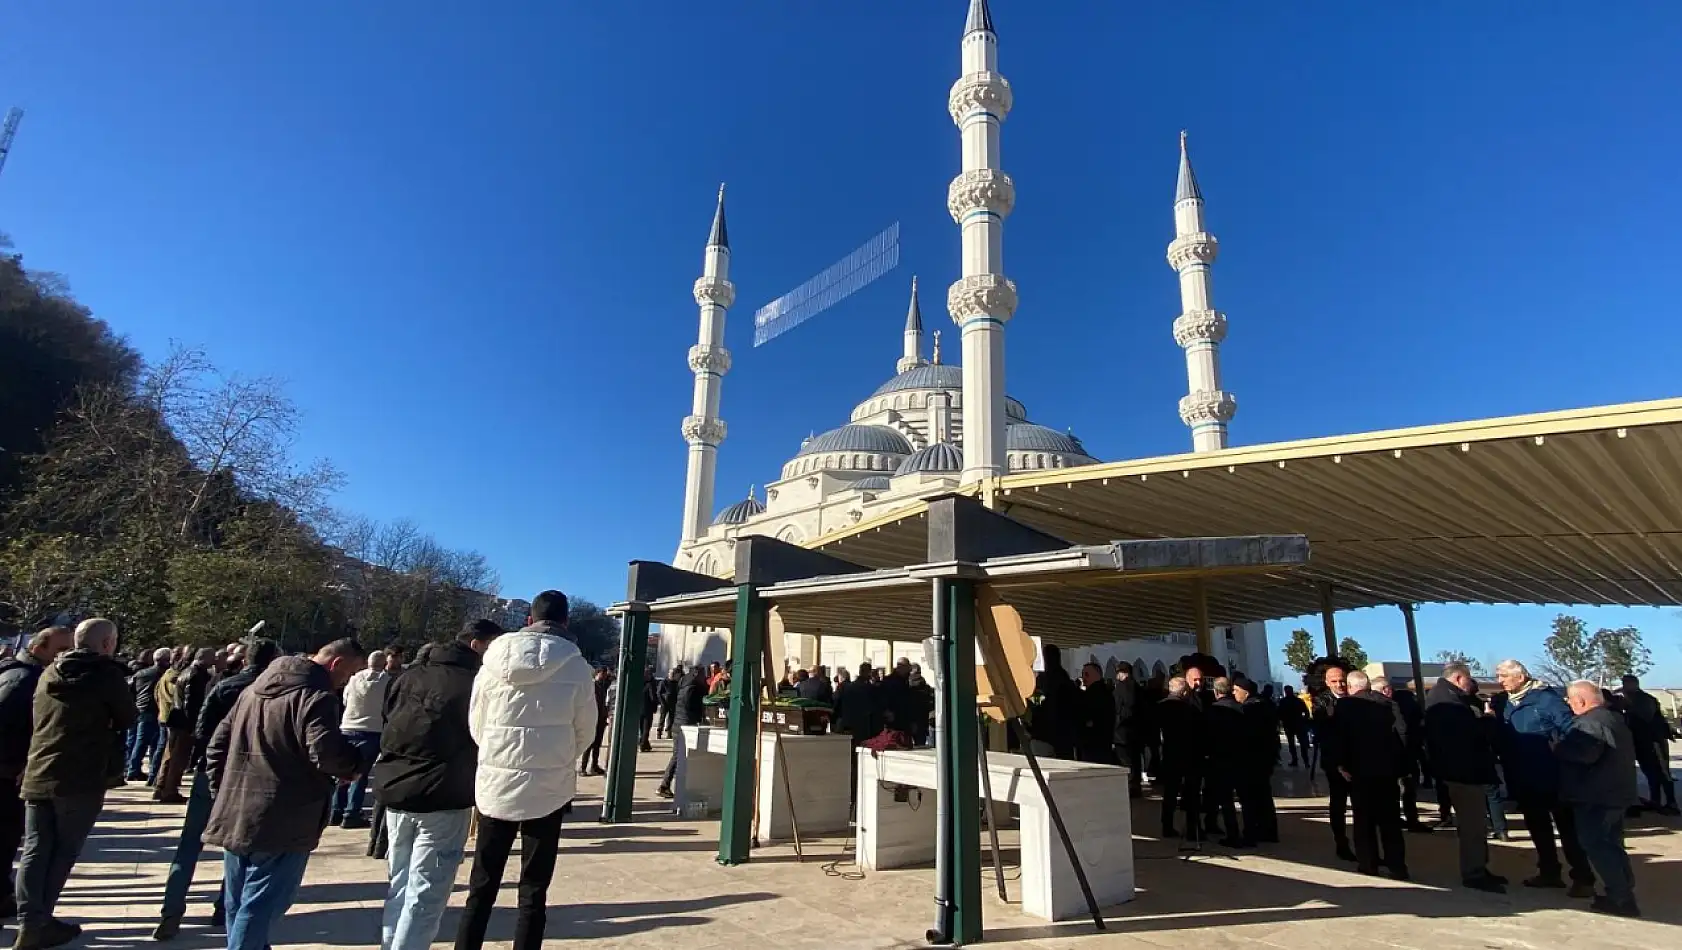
{"x":532,"y":713}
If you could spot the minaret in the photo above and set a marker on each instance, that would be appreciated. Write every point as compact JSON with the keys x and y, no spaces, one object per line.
{"x":913,"y":335}
{"x":1199,"y":328}
{"x":709,"y":360}
{"x":979,"y":199}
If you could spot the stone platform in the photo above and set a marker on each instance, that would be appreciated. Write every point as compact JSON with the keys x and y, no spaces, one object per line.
{"x":654,"y":883}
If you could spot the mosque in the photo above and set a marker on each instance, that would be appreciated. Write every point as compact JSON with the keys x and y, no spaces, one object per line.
{"x":936,"y":425}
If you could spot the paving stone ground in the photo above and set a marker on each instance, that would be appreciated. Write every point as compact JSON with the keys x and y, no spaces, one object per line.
{"x":654,"y":883}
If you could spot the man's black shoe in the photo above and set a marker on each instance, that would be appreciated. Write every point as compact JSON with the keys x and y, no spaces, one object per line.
{"x":218,"y":916}
{"x":353,"y":823}
{"x":167,"y":928}
{"x":1488,"y":883}
{"x":1607,"y":905}
{"x":1237,"y":843}
{"x":1400,"y":873}
{"x":664,"y":792}
{"x":1345,"y":852}
{"x":1550,"y":881}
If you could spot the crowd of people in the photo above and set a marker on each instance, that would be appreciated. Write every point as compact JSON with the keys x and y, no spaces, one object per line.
{"x":493,"y":724}
{"x":497,"y":727}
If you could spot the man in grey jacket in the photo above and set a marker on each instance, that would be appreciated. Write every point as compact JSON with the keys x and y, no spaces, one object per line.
{"x":1597,"y":780}
{"x":274,"y":763}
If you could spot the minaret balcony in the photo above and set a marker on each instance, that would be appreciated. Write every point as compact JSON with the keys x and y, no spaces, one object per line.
{"x":981,"y":295}
{"x":715,"y":290}
{"x":1199,"y":326}
{"x":1198,"y":248}
{"x":706,"y":358}
{"x":979,"y":92}
{"x":1208,"y":405}
{"x":700,"y":429}
{"x":980,"y":189}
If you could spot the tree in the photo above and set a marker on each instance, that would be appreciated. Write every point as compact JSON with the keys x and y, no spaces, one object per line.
{"x":1475,"y":667}
{"x":1349,"y":650}
{"x":1299,"y":650}
{"x":596,"y":634}
{"x":1620,"y":653}
{"x":1569,"y":653}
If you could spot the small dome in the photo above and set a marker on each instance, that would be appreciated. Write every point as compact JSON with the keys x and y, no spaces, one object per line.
{"x":872,"y":483}
{"x":1028,"y":437}
{"x":927,"y":376}
{"x":741,"y":511}
{"x":858,"y":438}
{"x":937,"y":458}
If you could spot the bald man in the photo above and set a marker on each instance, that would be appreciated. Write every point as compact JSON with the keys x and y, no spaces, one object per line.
{"x":1597,"y":781}
{"x":82,"y":709}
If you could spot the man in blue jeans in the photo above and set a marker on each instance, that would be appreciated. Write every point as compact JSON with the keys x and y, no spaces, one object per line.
{"x":146,"y":738}
{"x":1597,"y":781}
{"x":274,"y":763}
{"x":217,"y":705}
{"x":364,"y":700}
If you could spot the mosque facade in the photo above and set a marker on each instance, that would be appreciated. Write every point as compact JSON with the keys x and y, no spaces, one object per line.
{"x":935,"y":425}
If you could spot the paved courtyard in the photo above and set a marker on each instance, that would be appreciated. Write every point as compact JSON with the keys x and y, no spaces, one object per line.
{"x":654,"y":883}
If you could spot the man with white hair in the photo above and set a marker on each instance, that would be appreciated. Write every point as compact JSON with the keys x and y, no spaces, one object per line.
{"x":363,"y":719}
{"x":1535,"y":718}
{"x":1372,"y":743}
{"x":83,"y":707}
{"x":1597,"y":780}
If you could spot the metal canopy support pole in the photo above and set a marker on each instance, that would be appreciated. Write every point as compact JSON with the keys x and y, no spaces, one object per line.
{"x":1200,"y":617}
{"x":1413,"y":650}
{"x":1328,"y":622}
{"x":960,"y":784}
{"x":747,"y":645}
{"x":627,"y":719}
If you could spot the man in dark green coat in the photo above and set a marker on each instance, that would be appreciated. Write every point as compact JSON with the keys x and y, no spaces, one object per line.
{"x":83,"y":709}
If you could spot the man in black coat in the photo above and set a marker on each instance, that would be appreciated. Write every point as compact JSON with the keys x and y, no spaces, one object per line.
{"x":147,"y":741}
{"x":211,"y":711}
{"x":1652,"y":734}
{"x":1414,"y":716}
{"x":1293,"y":720}
{"x":1052,"y":717}
{"x":1458,"y":741}
{"x":691,"y":710}
{"x":1372,"y":749}
{"x":1184,"y":750}
{"x":650,"y":704}
{"x":1255,"y":783}
{"x":1095,"y":723}
{"x":425,"y":777}
{"x":1335,"y":687}
{"x":1132,"y":713}
{"x":1232,"y":754}
{"x":855,"y":707}
{"x":18,"y":678}
{"x":668,"y":702}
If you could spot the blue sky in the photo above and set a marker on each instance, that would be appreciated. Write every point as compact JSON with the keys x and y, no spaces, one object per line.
{"x":466,"y":233}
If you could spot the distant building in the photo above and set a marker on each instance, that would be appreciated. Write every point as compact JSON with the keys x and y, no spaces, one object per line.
{"x":1400,"y":672}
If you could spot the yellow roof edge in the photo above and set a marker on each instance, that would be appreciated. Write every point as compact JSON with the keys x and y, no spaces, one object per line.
{"x":1560,"y":422}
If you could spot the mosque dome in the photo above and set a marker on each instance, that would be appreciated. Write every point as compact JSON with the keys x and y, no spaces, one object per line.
{"x":1028,"y":437}
{"x":858,"y":438}
{"x":872,"y":483}
{"x":941,"y":457}
{"x":926,"y":376}
{"x":741,"y":511}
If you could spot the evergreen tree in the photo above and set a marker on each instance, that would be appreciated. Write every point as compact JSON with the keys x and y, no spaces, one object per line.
{"x":1299,"y":650}
{"x":1569,"y":653}
{"x":1351,"y":652}
{"x":1621,"y":653}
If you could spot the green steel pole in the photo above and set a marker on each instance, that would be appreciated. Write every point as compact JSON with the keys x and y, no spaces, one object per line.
{"x":963,"y":732}
{"x":747,"y":643}
{"x":622,"y":755}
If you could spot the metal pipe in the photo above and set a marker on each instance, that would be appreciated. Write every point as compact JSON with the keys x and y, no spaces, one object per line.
{"x":944,"y":856}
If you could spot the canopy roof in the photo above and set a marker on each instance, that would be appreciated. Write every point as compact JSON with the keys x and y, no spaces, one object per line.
{"x":1575,"y":507}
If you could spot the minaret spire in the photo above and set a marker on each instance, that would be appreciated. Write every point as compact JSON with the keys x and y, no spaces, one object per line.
{"x":980,"y":199}
{"x":913,"y":353}
{"x":709,"y":361}
{"x":1199,"y":329}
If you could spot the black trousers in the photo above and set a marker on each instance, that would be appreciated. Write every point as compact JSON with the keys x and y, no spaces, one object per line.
{"x":1542,"y":816}
{"x":1378,"y":824}
{"x":1132,"y":755}
{"x":11,"y":830}
{"x":647,"y":724}
{"x":1337,"y":789}
{"x":1410,"y":798}
{"x":1653,"y":756}
{"x":1182,"y":788}
{"x":1295,"y":738}
{"x":593,"y":755}
{"x":1261,"y":818}
{"x":666,"y":714}
{"x":540,"y":838}
{"x":1218,"y":792}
